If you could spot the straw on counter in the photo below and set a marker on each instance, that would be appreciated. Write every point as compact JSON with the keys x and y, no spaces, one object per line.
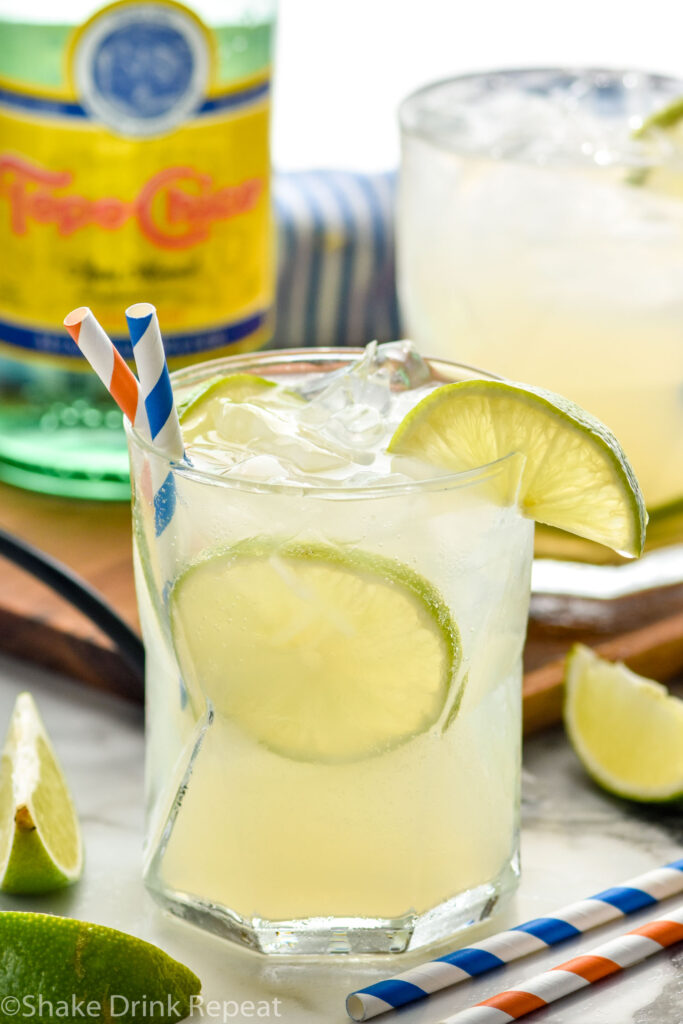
{"x":608,"y":958}
{"x":118,"y":379}
{"x":567,"y":922}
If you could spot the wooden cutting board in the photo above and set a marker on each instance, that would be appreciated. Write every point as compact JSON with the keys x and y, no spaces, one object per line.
{"x":94,"y":539}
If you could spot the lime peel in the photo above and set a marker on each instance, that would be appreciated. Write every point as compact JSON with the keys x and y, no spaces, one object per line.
{"x":66,"y":962}
{"x":576,"y":477}
{"x":626,"y":730}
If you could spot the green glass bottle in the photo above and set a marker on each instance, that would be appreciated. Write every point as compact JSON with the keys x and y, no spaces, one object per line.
{"x":134,"y":165}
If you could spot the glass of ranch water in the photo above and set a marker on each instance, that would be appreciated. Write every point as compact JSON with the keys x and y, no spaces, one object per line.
{"x":334,"y":639}
{"x":540,"y":235}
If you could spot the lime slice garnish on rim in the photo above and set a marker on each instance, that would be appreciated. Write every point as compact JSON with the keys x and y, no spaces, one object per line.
{"x":576,"y":476}
{"x":104,"y":974}
{"x":626,"y":730}
{"x":318,"y":653}
{"x":40,"y":839}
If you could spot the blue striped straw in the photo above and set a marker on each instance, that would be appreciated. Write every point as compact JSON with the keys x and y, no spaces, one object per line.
{"x":162,"y":415}
{"x":565,"y":979}
{"x":150,"y":359}
{"x":498,"y":950}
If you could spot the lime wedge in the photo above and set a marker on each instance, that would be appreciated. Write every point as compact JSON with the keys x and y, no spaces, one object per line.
{"x":319,"y":653}
{"x":626,"y":730}
{"x":576,"y":476}
{"x":668,"y":119}
{"x":105,"y":974}
{"x":40,"y":839}
{"x":663,"y":133}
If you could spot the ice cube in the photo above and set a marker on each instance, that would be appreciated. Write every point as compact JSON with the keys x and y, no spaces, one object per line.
{"x":351,"y":410}
{"x":337,"y":433}
{"x":332,"y":392}
{"x":401,"y":365}
{"x":242,"y":430}
{"x":261,"y":468}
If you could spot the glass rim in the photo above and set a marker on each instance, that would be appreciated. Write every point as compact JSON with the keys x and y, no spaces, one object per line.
{"x":410,"y":104}
{"x":199,"y":371}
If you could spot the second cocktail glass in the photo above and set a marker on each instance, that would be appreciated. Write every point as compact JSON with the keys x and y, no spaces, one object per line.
{"x":540,"y":238}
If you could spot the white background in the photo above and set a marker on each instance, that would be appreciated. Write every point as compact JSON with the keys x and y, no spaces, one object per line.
{"x":342,"y":67}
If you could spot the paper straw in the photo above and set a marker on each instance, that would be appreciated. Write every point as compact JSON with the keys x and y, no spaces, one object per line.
{"x":608,"y":958}
{"x":118,"y":379}
{"x":540,"y":933}
{"x":155,"y":383}
{"x":125,"y":389}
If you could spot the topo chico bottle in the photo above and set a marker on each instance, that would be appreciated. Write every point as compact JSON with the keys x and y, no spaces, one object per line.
{"x":134,"y":165}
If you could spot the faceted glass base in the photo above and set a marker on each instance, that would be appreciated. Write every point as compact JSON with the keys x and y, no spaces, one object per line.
{"x":323,"y":936}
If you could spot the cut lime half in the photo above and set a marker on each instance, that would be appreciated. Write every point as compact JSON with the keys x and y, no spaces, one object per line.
{"x":40,"y":838}
{"x":318,"y":653}
{"x":576,"y":476}
{"x":104,"y":974}
{"x":626,"y":730}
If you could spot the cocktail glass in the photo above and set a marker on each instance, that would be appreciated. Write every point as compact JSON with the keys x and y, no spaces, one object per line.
{"x":358,"y":840}
{"x":540,"y":238}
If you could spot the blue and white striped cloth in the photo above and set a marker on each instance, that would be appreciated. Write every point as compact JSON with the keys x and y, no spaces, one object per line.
{"x":336,"y":269}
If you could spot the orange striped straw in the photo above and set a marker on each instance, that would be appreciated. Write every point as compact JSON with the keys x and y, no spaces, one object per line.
{"x":606,"y":959}
{"x":106,"y":361}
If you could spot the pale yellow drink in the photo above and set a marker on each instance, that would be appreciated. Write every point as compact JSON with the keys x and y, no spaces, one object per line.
{"x":325,"y":773}
{"x":377,"y":840}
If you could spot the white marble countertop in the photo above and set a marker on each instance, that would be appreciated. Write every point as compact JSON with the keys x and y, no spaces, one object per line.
{"x":576,"y":841}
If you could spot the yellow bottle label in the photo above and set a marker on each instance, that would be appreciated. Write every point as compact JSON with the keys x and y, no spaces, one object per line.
{"x":143,"y":180}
